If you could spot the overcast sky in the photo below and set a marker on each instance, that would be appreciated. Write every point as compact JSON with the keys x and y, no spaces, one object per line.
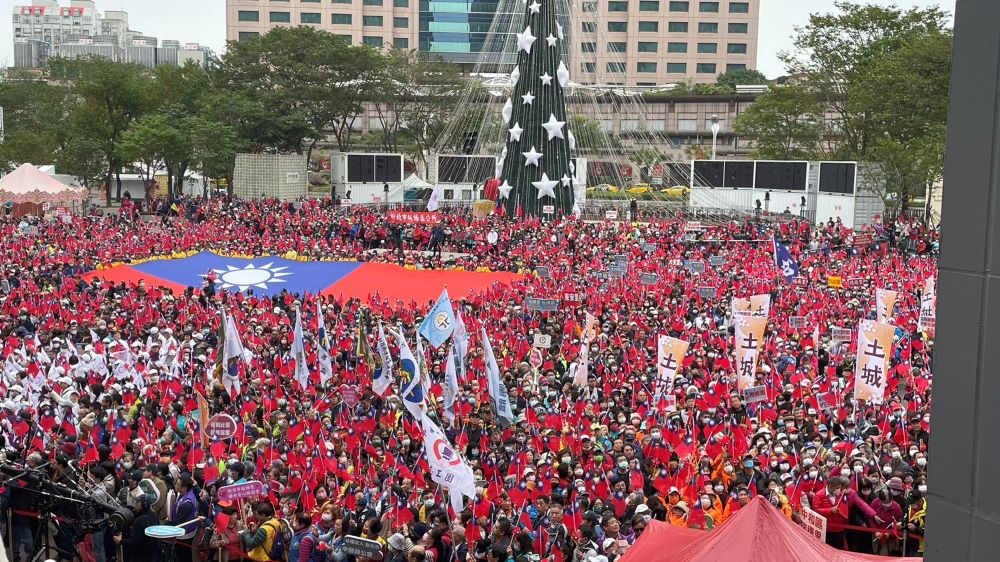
{"x":204,"y":21}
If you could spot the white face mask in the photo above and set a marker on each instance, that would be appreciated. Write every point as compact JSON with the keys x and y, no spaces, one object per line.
{"x":813,"y":474}
{"x":858,"y":468}
{"x":922,"y":461}
{"x":887,"y":469}
{"x":728,"y":469}
{"x":896,"y":454}
{"x":706,"y":503}
{"x":327,"y":517}
{"x":922,"y":488}
{"x":719,"y":488}
{"x":779,"y":450}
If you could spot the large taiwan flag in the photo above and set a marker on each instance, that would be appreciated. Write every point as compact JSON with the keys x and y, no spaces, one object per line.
{"x":270,"y":275}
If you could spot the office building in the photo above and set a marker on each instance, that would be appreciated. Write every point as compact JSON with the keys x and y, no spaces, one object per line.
{"x":45,"y":28}
{"x":619,"y":42}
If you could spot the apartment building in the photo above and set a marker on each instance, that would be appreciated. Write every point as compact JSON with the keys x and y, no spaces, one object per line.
{"x":618,"y":42}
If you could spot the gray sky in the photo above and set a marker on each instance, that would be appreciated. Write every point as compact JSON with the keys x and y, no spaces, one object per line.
{"x":204,"y":21}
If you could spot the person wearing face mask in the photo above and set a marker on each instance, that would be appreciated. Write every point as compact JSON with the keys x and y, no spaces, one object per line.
{"x":828,"y":504}
{"x":915,"y":519}
{"x":750,"y":475}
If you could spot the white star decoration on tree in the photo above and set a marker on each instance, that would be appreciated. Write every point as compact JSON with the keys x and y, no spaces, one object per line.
{"x":505,"y":189}
{"x":534,"y":7}
{"x":525,"y":40}
{"x":546,"y":79}
{"x":527,"y":99}
{"x":508,"y":110}
{"x":531,"y":157}
{"x":563,"y":74}
{"x":559,"y":31}
{"x":515,"y":76}
{"x":554,"y":127}
{"x":545,"y":186}
{"x":515,"y":132}
{"x":571,"y":140}
{"x":551,"y":40}
{"x":565,"y":180}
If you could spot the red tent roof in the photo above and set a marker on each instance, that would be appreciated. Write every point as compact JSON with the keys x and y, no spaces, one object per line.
{"x":756,"y":533}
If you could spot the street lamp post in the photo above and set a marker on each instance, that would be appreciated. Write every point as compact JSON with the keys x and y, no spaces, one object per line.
{"x":715,"y":133}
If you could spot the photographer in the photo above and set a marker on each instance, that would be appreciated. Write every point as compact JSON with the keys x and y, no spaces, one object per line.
{"x":135,"y":544}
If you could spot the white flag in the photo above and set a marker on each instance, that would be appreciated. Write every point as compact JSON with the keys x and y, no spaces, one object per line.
{"x":581,"y":367}
{"x":382,"y":376}
{"x":451,"y":384}
{"x":323,"y":348}
{"x":434,"y":201}
{"x":299,"y":353}
{"x":928,"y":307}
{"x":496,"y":387}
{"x":461,"y":339}
{"x":447,"y":467}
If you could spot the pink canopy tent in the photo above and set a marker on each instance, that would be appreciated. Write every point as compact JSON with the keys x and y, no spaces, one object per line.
{"x":756,"y":533}
{"x":29,"y":188}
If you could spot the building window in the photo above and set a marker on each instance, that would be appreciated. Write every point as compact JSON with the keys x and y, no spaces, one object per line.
{"x":588,"y":26}
{"x":677,"y":27}
{"x":677,"y":68}
{"x":739,"y":7}
{"x":617,"y":27}
{"x":708,"y":125}
{"x":588,"y":7}
{"x":677,"y":47}
{"x":736,"y":48}
{"x":371,"y":21}
{"x":647,"y":46}
{"x":341,"y":1}
{"x":248,"y":35}
{"x":655,"y":125}
{"x":347,"y":38}
{"x":401,"y":23}
{"x":401,"y":43}
{"x":679,"y":6}
{"x":645,"y":67}
{"x":281,"y":17}
{"x":706,"y":68}
{"x":617,"y":6}
{"x":687,"y":124}
{"x":310,"y":17}
{"x":650,"y":26}
{"x":588,"y":47}
{"x":708,"y":7}
{"x":589,"y":67}
{"x":649,"y":5}
{"x":310,"y":1}
{"x":616,"y":67}
{"x":735,"y":66}
{"x":708,"y":48}
{"x":617,"y":47}
{"x":738,"y":28}
{"x":708,"y":27}
{"x":372,"y":2}
{"x":373,"y":40}
{"x":342,"y":19}
{"x":400,"y":3}
{"x":630,"y":124}
{"x":248,"y":16}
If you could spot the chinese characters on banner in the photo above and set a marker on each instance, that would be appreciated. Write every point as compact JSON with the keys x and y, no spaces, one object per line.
{"x":928,"y":307}
{"x":414,"y":217}
{"x":814,"y":523}
{"x":757,"y":305}
{"x":670,"y":354}
{"x":885,"y":301}
{"x":874,"y":351}
{"x":749,"y":340}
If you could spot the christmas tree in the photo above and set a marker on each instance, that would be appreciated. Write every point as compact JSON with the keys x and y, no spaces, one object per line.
{"x":536,"y":170}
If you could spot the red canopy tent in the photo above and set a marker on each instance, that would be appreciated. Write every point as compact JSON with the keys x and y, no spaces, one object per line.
{"x":757,"y":533}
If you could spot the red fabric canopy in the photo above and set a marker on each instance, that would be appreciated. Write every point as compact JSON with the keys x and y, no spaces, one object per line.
{"x":756,"y":533}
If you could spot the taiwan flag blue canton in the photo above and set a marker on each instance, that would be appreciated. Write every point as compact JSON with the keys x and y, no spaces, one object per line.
{"x":783,"y":259}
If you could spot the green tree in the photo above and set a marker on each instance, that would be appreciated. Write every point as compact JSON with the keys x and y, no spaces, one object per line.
{"x":741,"y":77}
{"x":34,"y":114}
{"x":784,"y":124}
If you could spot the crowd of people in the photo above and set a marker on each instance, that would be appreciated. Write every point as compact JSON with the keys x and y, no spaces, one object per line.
{"x":106,"y":388}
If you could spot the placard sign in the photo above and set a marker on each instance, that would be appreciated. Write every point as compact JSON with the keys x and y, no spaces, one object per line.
{"x":835,"y":282}
{"x":866,"y":239}
{"x":800,"y":282}
{"x":676,"y":262}
{"x":611,"y":215}
{"x":648,"y":278}
{"x":671,"y":402}
{"x":755,"y":394}
{"x":246,"y":490}
{"x":541,"y":305}
{"x":543,"y":272}
{"x":350,"y":394}
{"x":798,"y":322}
{"x":345,"y":202}
{"x":841,"y":334}
{"x":618,"y":270}
{"x":706,"y":292}
{"x":650,"y":247}
{"x":220,"y":426}
{"x":573,"y":298}
{"x":717,"y":261}
{"x":364,"y":548}
{"x":548,"y":209}
{"x":856,"y":282}
{"x":813,"y":523}
{"x":535,"y":358}
{"x":693,"y":225}
{"x":826,"y":401}
{"x":695,"y":266}
{"x":620,"y":260}
{"x":543,"y":341}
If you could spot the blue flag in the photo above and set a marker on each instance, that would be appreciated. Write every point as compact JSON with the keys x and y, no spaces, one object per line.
{"x":440,"y":322}
{"x":783,"y":259}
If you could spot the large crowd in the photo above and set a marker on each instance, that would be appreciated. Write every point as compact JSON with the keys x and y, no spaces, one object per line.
{"x":106,"y":387}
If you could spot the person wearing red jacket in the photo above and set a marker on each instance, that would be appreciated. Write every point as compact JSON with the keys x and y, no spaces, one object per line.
{"x":835,"y":503}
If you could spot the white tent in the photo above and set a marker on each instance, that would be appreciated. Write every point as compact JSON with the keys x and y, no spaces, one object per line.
{"x":415,"y":182}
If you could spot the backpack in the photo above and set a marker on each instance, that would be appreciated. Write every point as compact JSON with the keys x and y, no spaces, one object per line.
{"x":279,"y":544}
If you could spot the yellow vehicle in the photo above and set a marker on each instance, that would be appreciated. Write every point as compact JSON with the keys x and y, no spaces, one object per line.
{"x":676,"y":191}
{"x":607,"y":187}
{"x":639,"y":188}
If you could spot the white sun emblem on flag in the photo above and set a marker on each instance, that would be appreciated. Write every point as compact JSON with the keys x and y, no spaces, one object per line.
{"x":250,"y":275}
